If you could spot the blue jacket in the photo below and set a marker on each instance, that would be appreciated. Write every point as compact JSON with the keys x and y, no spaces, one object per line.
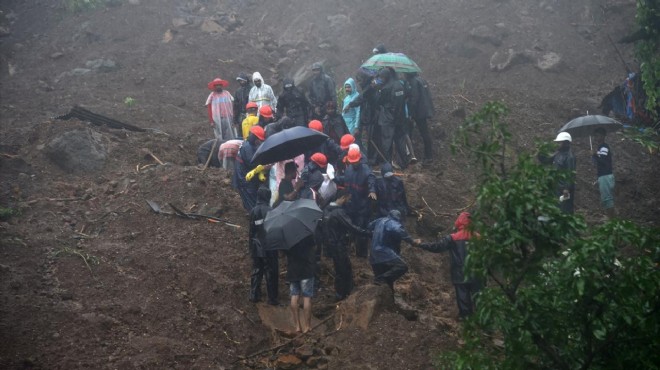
{"x":386,"y":240}
{"x":244,"y":164}
{"x":352,"y":115}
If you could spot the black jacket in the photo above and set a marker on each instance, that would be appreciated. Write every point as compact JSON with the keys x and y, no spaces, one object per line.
{"x":367,"y":103}
{"x":337,"y":224}
{"x":391,"y":194}
{"x":419,"y":102}
{"x":335,"y":127}
{"x":322,"y":90}
{"x":241,"y":98}
{"x":294,"y":104}
{"x":391,"y":102}
{"x":458,"y":250}
{"x":257,"y":235}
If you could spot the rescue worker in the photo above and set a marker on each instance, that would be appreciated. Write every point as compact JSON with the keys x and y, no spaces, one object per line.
{"x":563,"y":159}
{"x":321,"y":91}
{"x":241,"y":98}
{"x":264,"y":262}
{"x":261,"y":93}
{"x":420,"y":109}
{"x":333,"y":123}
{"x":391,"y":193}
{"x":245,"y":179}
{"x":293,"y":103}
{"x":220,"y":110}
{"x":391,"y":117}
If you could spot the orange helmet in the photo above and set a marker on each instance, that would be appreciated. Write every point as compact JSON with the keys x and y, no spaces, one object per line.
{"x":346,"y":141}
{"x":320,"y":159}
{"x":266,"y":111}
{"x":251,"y":105}
{"x":316,"y":125}
{"x":259,"y":132}
{"x":354,"y":155}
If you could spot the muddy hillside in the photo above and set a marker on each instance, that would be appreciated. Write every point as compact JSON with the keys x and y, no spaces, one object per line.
{"x":91,"y":277}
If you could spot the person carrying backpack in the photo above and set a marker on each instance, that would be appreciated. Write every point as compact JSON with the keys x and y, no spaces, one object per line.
{"x":420,"y":109}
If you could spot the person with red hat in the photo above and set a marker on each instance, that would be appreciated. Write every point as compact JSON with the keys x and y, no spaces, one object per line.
{"x":344,"y":144}
{"x":221,"y":109}
{"x":244,"y":179}
{"x":329,"y":147}
{"x":266,"y":116}
{"x":250,"y":120}
{"x":361,"y":184}
{"x":318,"y":163}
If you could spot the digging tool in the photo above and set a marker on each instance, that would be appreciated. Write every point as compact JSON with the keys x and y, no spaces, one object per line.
{"x":191,"y":216}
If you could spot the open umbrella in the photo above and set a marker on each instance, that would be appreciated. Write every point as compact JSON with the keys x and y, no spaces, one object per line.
{"x":287,"y":144}
{"x":586,"y":125}
{"x":400,"y":62}
{"x":291,"y":222}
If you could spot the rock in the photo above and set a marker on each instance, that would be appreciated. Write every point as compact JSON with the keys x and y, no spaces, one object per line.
{"x":503,"y":60}
{"x":278,"y":318}
{"x":316,"y":361}
{"x":77,"y":151}
{"x":339,"y":21}
{"x":549,"y":62}
{"x":360,"y":307}
{"x":287,"y":362}
{"x":57,"y":55}
{"x":4,"y":31}
{"x":486,"y":35}
{"x":416,"y":25}
{"x":179,"y":22}
{"x":210,"y":26}
{"x":292,"y":53}
{"x":102,"y":65}
{"x":305,"y":351}
{"x":416,"y":291}
{"x":168,"y":36}
{"x":78,"y":71}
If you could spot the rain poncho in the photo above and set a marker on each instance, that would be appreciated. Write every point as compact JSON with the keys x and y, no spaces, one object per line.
{"x":352,"y":115}
{"x":386,"y":240}
{"x":262,"y":95}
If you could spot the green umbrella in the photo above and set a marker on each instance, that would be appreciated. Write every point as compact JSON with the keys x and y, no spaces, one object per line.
{"x":400,"y":62}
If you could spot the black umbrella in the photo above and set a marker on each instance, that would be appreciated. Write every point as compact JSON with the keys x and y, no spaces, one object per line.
{"x":291,"y":222}
{"x":287,"y":144}
{"x":586,"y":125}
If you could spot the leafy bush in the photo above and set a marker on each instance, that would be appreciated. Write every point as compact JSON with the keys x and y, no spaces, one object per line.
{"x":560,"y":296}
{"x":648,"y":51}
{"x":6,"y":213}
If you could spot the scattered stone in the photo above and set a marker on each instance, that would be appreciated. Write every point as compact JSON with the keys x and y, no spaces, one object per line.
{"x":102,"y":65}
{"x":305,"y":352}
{"x":549,"y":62}
{"x":57,"y":55}
{"x":4,"y":31}
{"x":360,"y":307}
{"x":287,"y":361}
{"x":416,"y":25}
{"x":179,"y":22}
{"x":416,"y":291}
{"x":168,"y":36}
{"x":315,"y":361}
{"x":486,"y":35}
{"x":324,"y":46}
{"x":11,"y":69}
{"x":292,"y":53}
{"x":503,"y":60}
{"x":79,"y":71}
{"x":77,"y":151}
{"x":210,"y":26}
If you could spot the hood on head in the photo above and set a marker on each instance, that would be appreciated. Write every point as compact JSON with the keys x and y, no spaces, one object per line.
{"x":317,"y":65}
{"x":316,"y":179}
{"x":263,"y":194}
{"x":351,"y":83}
{"x":462,"y":221}
{"x":386,"y":169}
{"x":257,"y":76}
{"x":395,"y":214}
{"x":243,"y":76}
{"x":288,"y":83}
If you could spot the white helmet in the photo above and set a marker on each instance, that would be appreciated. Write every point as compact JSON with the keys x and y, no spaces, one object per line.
{"x":564,"y":136}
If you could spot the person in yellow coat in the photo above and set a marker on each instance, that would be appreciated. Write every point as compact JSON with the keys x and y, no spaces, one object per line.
{"x":251,"y":119}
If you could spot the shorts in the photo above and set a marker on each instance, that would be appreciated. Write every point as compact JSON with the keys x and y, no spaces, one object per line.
{"x":305,"y":285}
{"x":606,"y":187}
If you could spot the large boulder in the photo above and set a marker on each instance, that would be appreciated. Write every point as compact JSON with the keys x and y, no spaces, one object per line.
{"x":360,"y":308}
{"x":77,"y":151}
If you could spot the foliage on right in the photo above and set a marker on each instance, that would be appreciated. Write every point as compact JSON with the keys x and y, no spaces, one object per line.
{"x":648,"y":52}
{"x":559,"y":295}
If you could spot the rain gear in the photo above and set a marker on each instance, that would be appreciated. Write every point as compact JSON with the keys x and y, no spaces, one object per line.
{"x":388,"y":232}
{"x":293,"y":103}
{"x":241,"y":98}
{"x":221,"y":114}
{"x":352,"y":115}
{"x":263,"y":262}
{"x":458,"y":244}
{"x":391,"y":193}
{"x":334,"y":126}
{"x":321,"y":89}
{"x":262,"y":95}
{"x":564,"y":160}
{"x":246,"y":189}
{"x":360,"y":181}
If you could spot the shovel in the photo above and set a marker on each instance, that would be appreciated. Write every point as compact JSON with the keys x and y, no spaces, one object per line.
{"x":191,"y":216}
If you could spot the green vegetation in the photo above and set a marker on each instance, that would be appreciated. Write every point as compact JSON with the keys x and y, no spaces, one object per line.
{"x":129,"y":101}
{"x":559,"y":295}
{"x":7,"y":213}
{"x":648,"y":52}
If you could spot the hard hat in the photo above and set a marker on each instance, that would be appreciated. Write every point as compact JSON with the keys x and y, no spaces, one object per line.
{"x":320,"y":159}
{"x":345,"y":141}
{"x":564,"y":136}
{"x":316,"y":125}
{"x":266,"y":111}
{"x":258,"y":131}
{"x":354,"y":155}
{"x":251,"y":105}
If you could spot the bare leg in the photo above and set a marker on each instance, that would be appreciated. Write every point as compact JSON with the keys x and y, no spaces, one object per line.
{"x":294,"y":312}
{"x":307,"y":313}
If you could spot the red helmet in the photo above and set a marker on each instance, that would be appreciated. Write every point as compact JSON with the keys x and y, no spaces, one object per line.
{"x":320,"y":159}
{"x":266,"y":111}
{"x":251,"y":105}
{"x":346,"y":141}
{"x":316,"y":125}
{"x":354,"y":155}
{"x":259,"y":132}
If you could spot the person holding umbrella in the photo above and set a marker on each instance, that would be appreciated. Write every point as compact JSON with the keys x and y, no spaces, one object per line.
{"x":244,"y":179}
{"x":602,"y":157}
{"x":563,"y":159}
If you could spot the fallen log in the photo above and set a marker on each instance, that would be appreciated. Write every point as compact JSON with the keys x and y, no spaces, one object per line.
{"x":97,"y":119}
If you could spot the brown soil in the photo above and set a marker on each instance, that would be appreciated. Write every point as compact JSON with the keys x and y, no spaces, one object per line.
{"x":90,"y":278}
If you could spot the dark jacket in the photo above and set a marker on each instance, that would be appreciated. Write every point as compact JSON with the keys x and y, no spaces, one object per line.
{"x":257,"y":235}
{"x":564,"y":160}
{"x":244,"y":164}
{"x":329,"y":148}
{"x":337,"y":224}
{"x":293,"y":103}
{"x":279,"y":125}
{"x":391,"y":102}
{"x":366,"y":101}
{"x":335,"y":127}
{"x":301,"y":260}
{"x":603,"y":160}
{"x":322,"y":90}
{"x":419,"y":102}
{"x":391,"y":194}
{"x":386,"y":240}
{"x":241,"y":98}
{"x":360,"y":182}
{"x":457,"y":245}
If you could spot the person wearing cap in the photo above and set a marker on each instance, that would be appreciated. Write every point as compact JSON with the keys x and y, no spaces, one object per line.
{"x":458,"y":244}
{"x":251,"y":119}
{"x":602,"y":158}
{"x":261,"y":93}
{"x":333,"y":122}
{"x":321,"y":91}
{"x":221,"y":109}
{"x":264,"y":262}
{"x":564,"y":160}
{"x":385,"y":257}
{"x":266,"y":116}
{"x":379,"y":49}
{"x":329,"y":147}
{"x":293,"y":103}
{"x":361,"y":185}
{"x":318,"y":163}
{"x":344,"y":143}
{"x":241,"y":98}
{"x":391,"y":118}
{"x":247,"y":175}
{"x":391,"y":193}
